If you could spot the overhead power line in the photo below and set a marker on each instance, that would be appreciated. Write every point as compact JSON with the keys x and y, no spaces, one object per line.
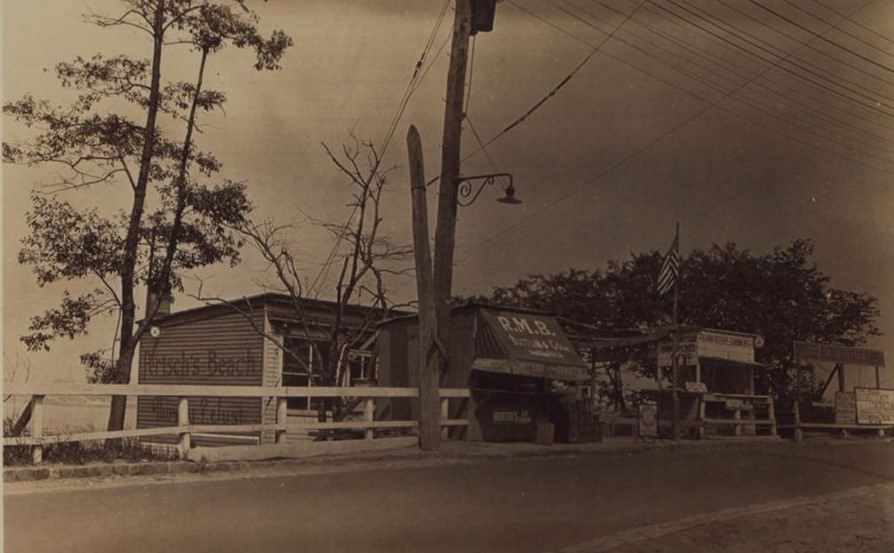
{"x":806,"y":44}
{"x":851,"y":110}
{"x":721,"y":67}
{"x":836,"y":26}
{"x":418,"y":74}
{"x":821,"y":37}
{"x":565,"y":80}
{"x":854,"y":22}
{"x":638,"y":151}
{"x":775,"y":130}
{"x":835,"y":84}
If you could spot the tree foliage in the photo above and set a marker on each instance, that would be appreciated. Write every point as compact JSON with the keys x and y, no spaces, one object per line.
{"x":122,"y":130}
{"x":781,"y":296}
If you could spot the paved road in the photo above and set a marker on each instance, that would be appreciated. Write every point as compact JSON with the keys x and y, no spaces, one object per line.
{"x":523,"y":505}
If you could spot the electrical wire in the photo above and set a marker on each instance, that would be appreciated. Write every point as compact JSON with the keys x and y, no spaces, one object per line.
{"x":857,"y":112}
{"x":821,"y":37}
{"x":868,"y":102}
{"x":802,"y":42}
{"x":612,"y":167}
{"x":852,"y":21}
{"x":565,"y":80}
{"x":845,"y":32}
{"x":721,"y":67}
{"x":774,"y":130}
{"x":412,"y":85}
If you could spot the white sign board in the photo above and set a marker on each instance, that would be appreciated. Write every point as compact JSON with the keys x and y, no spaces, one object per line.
{"x":648,"y":420}
{"x":874,"y":406}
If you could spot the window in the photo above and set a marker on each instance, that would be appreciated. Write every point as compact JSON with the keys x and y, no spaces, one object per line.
{"x":303,"y":364}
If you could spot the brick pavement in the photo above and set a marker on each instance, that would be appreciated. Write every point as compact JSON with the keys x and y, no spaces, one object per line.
{"x":855,"y":521}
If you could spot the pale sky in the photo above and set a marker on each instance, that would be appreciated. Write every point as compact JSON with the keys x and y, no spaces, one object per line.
{"x":693,"y":118}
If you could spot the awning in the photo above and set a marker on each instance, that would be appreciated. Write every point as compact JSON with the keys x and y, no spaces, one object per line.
{"x":734,"y":363}
{"x":531,"y":368}
{"x":525,"y":343}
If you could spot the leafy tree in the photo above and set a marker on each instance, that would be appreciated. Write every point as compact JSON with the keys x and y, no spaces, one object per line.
{"x":781,"y":296}
{"x":112,"y":134}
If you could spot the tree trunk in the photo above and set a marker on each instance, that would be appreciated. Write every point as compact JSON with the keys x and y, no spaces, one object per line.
{"x":129,"y":338}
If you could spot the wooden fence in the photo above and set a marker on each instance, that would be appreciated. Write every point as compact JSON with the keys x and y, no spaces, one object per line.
{"x":36,"y":438}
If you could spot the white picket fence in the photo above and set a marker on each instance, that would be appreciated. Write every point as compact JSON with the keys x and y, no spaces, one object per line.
{"x":37,"y":438}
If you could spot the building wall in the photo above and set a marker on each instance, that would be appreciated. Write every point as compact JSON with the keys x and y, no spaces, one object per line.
{"x":272,"y":376}
{"x":220,"y":350}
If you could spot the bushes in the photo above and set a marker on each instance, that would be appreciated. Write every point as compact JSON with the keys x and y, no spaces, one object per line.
{"x":79,"y":453}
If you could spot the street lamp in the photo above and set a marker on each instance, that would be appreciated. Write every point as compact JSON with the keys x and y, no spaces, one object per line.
{"x":467,"y":193}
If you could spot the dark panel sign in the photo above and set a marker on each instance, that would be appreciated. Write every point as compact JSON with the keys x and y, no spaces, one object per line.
{"x":808,"y":351}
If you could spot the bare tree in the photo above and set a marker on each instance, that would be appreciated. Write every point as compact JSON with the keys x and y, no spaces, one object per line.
{"x":370,"y":259}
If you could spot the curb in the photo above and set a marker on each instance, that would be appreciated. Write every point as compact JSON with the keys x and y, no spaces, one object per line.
{"x":152,"y":468}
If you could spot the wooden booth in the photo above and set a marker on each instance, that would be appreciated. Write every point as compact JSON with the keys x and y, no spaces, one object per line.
{"x":263,"y":340}
{"x":855,"y":404}
{"x":714,"y":383}
{"x":517,"y":363}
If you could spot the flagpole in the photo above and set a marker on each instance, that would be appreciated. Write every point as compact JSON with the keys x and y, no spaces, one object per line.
{"x":675,"y":398}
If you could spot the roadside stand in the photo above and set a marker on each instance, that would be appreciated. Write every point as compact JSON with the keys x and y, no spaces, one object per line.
{"x":714,"y":388}
{"x":523,"y":373}
{"x":852,"y":407}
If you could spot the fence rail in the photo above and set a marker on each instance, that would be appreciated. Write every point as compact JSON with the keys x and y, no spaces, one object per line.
{"x":36,"y":437}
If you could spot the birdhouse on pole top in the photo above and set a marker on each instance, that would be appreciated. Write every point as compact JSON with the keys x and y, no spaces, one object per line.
{"x":483,"y":12}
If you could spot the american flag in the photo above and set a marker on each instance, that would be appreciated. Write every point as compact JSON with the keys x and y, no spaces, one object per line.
{"x":670,"y":269}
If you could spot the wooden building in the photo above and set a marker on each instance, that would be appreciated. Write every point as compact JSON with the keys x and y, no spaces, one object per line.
{"x":715,"y":374}
{"x":263,"y":340}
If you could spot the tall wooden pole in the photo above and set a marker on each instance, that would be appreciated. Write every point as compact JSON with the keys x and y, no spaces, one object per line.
{"x":428,"y":358}
{"x":445,"y":232}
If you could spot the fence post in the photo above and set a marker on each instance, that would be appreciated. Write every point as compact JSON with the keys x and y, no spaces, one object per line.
{"x":282,"y":416}
{"x":183,"y":420}
{"x":369,"y":415}
{"x":35,"y":428}
{"x":701,"y":417}
{"x":445,"y":414}
{"x":771,"y":414}
{"x":799,"y":434}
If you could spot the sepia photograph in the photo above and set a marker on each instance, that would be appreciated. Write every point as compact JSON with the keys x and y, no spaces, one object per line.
{"x":447,"y":276}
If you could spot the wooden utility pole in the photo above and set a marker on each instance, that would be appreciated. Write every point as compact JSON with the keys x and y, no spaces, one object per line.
{"x":450,"y":170}
{"x":429,"y":358}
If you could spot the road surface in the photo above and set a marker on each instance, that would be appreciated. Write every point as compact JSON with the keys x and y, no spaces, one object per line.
{"x":522,"y":505}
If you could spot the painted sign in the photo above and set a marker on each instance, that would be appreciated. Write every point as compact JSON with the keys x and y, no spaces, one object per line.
{"x":874,"y":406}
{"x":513,"y":417}
{"x":708,"y":343}
{"x":209,"y":363}
{"x":845,"y":408}
{"x":532,"y":337}
{"x":808,"y":351}
{"x":686,"y":352}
